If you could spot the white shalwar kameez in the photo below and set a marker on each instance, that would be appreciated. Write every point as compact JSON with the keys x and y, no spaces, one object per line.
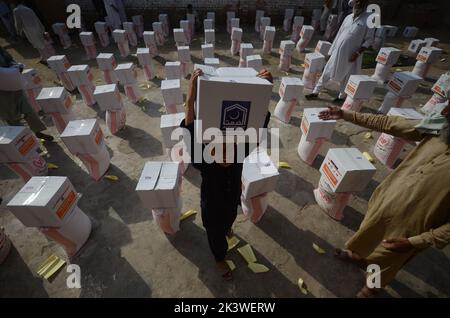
{"x":28,"y":23}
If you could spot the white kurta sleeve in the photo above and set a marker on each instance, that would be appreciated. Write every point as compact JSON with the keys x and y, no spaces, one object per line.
{"x":369,"y":37}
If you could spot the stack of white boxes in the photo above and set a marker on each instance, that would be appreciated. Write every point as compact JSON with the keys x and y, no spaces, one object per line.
{"x":427,"y":56}
{"x":84,"y":139}
{"x":259,"y":177}
{"x":56,"y":102}
{"x":88,"y":41}
{"x":259,"y":15}
{"x":184,"y":56}
{"x":108,"y":99}
{"x":211,"y":16}
{"x":255,"y":62}
{"x":234,"y":23}
{"x":82,"y":77}
{"x":386,"y":58}
{"x":332,"y":25}
{"x":410,"y":32}
{"x":314,"y":133}
{"x":102,"y":31}
{"x":264,"y":22}
{"x":439,"y":90}
{"x":60,"y":29}
{"x":269,"y":36}
{"x":131,"y":33}
{"x":314,"y":64}
{"x":415,"y":46}
{"x":127,"y":75}
{"x":191,"y":18}
{"x":145,"y":59}
{"x":287,"y":22}
{"x":388,"y":148}
{"x":207,"y":51}
{"x":120,"y":37}
{"x":344,"y":171}
{"x":315,"y":20}
{"x":50,"y":204}
{"x":180,"y":37}
{"x":391,"y":30}
{"x":212,"y":61}
{"x":359,"y":89}
{"x":138,"y":21}
{"x":236,"y":39}
{"x":32,"y":87}
{"x":245,"y":50}
{"x":164,"y":19}
{"x":107,"y":63}
{"x":175,"y":148}
{"x":286,"y":50}
{"x":297,"y":26}
{"x":306,"y":35}
{"x":172,"y":70}
{"x":159,"y":189}
{"x":159,"y":33}
{"x":172,"y":96}
{"x":184,"y":24}
{"x":230,"y":15}
{"x":401,"y":87}
{"x":323,"y":47}
{"x":60,"y":64}
{"x":19,"y":151}
{"x":291,"y":90}
{"x":150,"y":43}
{"x":208,"y":24}
{"x":210,"y":37}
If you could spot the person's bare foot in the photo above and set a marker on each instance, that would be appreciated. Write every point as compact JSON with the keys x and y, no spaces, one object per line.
{"x":366,"y":292}
{"x":351,"y":257}
{"x":224,"y":270}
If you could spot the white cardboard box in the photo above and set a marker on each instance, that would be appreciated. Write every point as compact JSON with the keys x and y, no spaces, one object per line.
{"x":31,"y":79}
{"x":234,"y":23}
{"x":59,"y":28}
{"x":259,"y":174}
{"x":106,"y":61}
{"x":429,"y":54}
{"x":307,"y":32}
{"x":323,"y":47}
{"x":416,"y":45}
{"x":208,"y":50}
{"x":388,"y":55}
{"x":87,"y":38}
{"x":17,"y":144}
{"x":441,"y":86}
{"x":58,"y":63}
{"x":44,"y":202}
{"x":255,"y":61}
{"x":287,"y":47}
{"x":54,"y":100}
{"x":246,"y":50}
{"x":159,"y":184}
{"x":208,"y":24}
{"x":157,"y":27}
{"x":410,"y":31}
{"x":80,"y":75}
{"x":184,"y":55}
{"x":212,"y":61}
{"x":408,"y":113}
{"x":184,"y":24}
{"x":171,"y":92}
{"x":211,"y":15}
{"x":291,"y":88}
{"x":314,"y":128}
{"x":108,"y":97}
{"x":404,"y":83}
{"x":101,"y":27}
{"x":236,"y":34}
{"x":298,"y":21}
{"x":314,"y":62}
{"x":170,"y":122}
{"x":347,"y":170}
{"x":360,"y":86}
{"x":126,"y":73}
{"x":210,"y":36}
{"x":269,"y":33}
{"x":83,"y":136}
{"x":149,"y":38}
{"x":144,"y":56}
{"x":264,"y":21}
{"x":172,"y":70}
{"x":129,"y":27}
{"x":179,"y":35}
{"x":120,"y":36}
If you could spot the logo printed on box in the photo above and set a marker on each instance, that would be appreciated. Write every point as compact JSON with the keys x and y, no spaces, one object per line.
{"x":234,"y":114}
{"x":67,"y":203}
{"x":26,"y":146}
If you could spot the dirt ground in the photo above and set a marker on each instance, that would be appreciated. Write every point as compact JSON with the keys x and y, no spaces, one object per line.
{"x":127,"y":255}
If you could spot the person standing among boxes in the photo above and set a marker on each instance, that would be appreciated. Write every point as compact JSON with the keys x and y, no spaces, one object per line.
{"x":116,"y":13}
{"x":410,"y":209}
{"x":353,"y":38}
{"x":14,"y":104}
{"x":220,"y":188}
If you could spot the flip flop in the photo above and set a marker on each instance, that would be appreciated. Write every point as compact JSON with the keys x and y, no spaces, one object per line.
{"x":345,"y":256}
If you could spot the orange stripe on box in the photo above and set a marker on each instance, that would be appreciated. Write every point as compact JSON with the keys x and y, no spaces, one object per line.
{"x":99,"y":136}
{"x":27,"y":145}
{"x":329,"y":174}
{"x":67,"y":203}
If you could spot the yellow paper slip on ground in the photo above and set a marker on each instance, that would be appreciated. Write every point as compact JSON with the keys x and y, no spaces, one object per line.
{"x":302,"y":286}
{"x":187,"y":214}
{"x":111,"y":177}
{"x":232,"y":242}
{"x":247,"y":253}
{"x":231,"y":265}
{"x":284,"y":165}
{"x":50,"y":266}
{"x":318,"y":249}
{"x":258,"y":268}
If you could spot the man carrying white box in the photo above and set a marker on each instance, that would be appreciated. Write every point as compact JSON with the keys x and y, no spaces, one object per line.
{"x":60,"y":64}
{"x":60,"y":29}
{"x":184,"y":56}
{"x":297,"y":28}
{"x":210,"y":36}
{"x":108,"y":98}
{"x":386,"y":58}
{"x":286,"y":50}
{"x":145,"y":59}
{"x":88,"y":41}
{"x":306,"y":35}
{"x":236,"y":39}
{"x":129,"y":28}
{"x":314,"y":63}
{"x":269,"y":36}
{"x":172,"y":95}
{"x":127,"y":75}
{"x":82,"y":77}
{"x":427,"y":56}
{"x":291,"y":90}
{"x":107,"y":63}
{"x":120,"y":37}
{"x":173,"y":70}
{"x":207,"y":51}
{"x":150,"y":42}
{"x":102,"y":31}
{"x":359,"y":89}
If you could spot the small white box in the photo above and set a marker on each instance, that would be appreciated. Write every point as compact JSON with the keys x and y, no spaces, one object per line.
{"x":108,"y":97}
{"x":208,"y":24}
{"x":126,"y":73}
{"x":307,"y":32}
{"x":120,"y":36}
{"x":246,"y":50}
{"x":31,"y":79}
{"x":210,"y":36}
{"x":184,"y":24}
{"x":159,"y":184}
{"x":298,"y":22}
{"x":170,"y":122}
{"x":314,"y":62}
{"x":129,"y":27}
{"x":416,"y":45}
{"x":442,"y":86}
{"x":172,"y":70}
{"x":157,"y":27}
{"x":408,"y":113}
{"x":288,"y":13}
{"x":83,"y":136}
{"x":58,"y":63}
{"x":138,"y":20}
{"x":431,"y":41}
{"x":144,"y":56}
{"x":184,"y":55}
{"x":259,"y":175}
{"x":255,"y":61}
{"x":360,"y":86}
{"x":323,"y":47}
{"x":291,"y":88}
{"x":429,"y":54}
{"x":264,"y":21}
{"x":208,"y":50}
{"x":234,"y":23}
{"x":388,"y":55}
{"x":269,"y":33}
{"x":54,"y":100}
{"x":211,"y":15}
{"x":106,"y":61}
{"x":59,"y":28}
{"x":149,"y":38}
{"x":44,"y":202}
{"x":191,"y":18}
{"x":17,"y":144}
{"x":404,"y":83}
{"x":391,"y":30}
{"x":347,"y":170}
{"x":101,"y":27}
{"x":236,"y":34}
{"x":410,"y":31}
{"x":314,"y":128}
{"x":287,"y":47}
{"x":171,"y":92}
{"x":87,"y":38}
{"x":212,"y":61}
{"x":179,"y":35}
{"x":80,"y":75}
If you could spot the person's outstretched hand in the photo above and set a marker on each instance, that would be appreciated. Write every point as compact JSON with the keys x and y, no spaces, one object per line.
{"x":265,"y":74}
{"x":193,"y":83}
{"x":332,"y":113}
